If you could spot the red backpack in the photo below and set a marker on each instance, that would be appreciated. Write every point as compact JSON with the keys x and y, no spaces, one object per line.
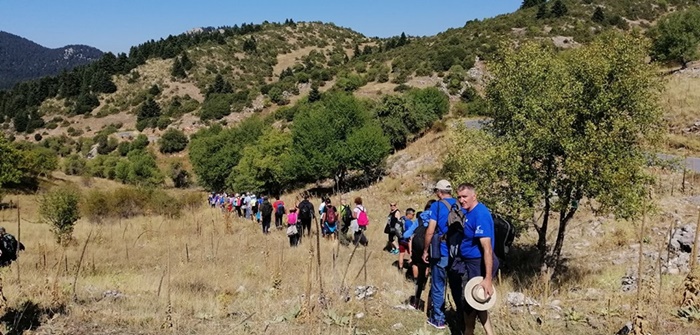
{"x":331,"y":214}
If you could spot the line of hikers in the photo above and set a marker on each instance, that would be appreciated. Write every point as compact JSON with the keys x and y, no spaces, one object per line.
{"x":299,"y":217}
{"x":456,"y":242}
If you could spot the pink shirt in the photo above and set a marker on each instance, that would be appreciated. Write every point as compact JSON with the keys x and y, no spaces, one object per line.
{"x":292,"y":218}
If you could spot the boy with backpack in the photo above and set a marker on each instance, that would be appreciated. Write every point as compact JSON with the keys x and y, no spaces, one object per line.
{"x":329,"y":219}
{"x":266,"y":215}
{"x":305,"y":215}
{"x":407,"y":222}
{"x":278,"y":206}
{"x":416,"y":236}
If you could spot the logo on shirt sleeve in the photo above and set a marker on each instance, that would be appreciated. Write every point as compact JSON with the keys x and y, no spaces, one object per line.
{"x":478,"y":230}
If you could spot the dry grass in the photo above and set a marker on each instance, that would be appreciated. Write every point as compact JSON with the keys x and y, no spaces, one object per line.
{"x":680,"y":103}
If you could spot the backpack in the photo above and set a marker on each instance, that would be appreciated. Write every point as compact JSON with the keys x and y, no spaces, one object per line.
{"x":418,"y":239}
{"x":455,"y":227}
{"x":362,"y":219}
{"x":266,"y":209}
{"x":331,"y":214}
{"x":346,"y":214}
{"x":9,"y":247}
{"x":504,"y":232}
{"x":391,"y":223}
{"x":280,"y":209}
{"x":304,"y":211}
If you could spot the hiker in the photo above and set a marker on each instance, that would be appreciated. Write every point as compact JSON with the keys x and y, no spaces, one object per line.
{"x":253,"y":203}
{"x":278,"y":206}
{"x":330,"y":220}
{"x":345,"y":216}
{"x":437,"y":255}
{"x":407,"y":222}
{"x":476,"y":259}
{"x":239,"y":203}
{"x":246,"y":206}
{"x":9,"y":246}
{"x":359,"y":223}
{"x":391,"y":221}
{"x":416,"y":236}
{"x":305,"y":214}
{"x":292,"y":228}
{"x":266,"y":215}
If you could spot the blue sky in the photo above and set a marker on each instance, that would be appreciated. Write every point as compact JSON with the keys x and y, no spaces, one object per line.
{"x":116,"y":25}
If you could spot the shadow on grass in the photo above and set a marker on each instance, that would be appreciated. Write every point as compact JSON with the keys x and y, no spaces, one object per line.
{"x":28,"y":316}
{"x":523,"y":265}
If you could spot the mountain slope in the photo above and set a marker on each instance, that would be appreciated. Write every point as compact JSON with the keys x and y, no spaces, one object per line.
{"x":22,"y":59}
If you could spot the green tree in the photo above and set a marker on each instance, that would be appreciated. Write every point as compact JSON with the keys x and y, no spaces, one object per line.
{"x":9,"y":169}
{"x":59,"y":208}
{"x":314,"y":94}
{"x":178,"y":70}
{"x":598,"y":15}
{"x":566,"y":128}
{"x":676,"y":37}
{"x":392,"y":114}
{"x":531,"y":3}
{"x":186,"y":62}
{"x":559,"y":9}
{"x":542,"y":12}
{"x":215,"y":151}
{"x":173,"y":140}
{"x":180,"y":176}
{"x":265,"y":165}
{"x":367,"y":149}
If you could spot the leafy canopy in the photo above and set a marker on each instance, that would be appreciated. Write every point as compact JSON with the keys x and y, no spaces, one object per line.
{"x":566,"y":127}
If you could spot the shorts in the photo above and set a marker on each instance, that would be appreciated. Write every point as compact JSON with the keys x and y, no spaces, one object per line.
{"x":403,"y":246}
{"x":469,"y":268}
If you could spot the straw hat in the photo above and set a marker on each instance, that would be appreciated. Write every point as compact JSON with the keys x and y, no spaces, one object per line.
{"x":476,"y":295}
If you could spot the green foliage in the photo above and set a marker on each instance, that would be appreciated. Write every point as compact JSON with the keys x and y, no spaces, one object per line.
{"x":59,"y":208}
{"x":531,"y":3}
{"x":10,"y":171}
{"x":139,"y":168}
{"x":559,"y":9}
{"x":566,"y":126}
{"x":265,"y":165}
{"x":676,"y":37}
{"x":173,"y":140}
{"x":598,"y":15}
{"x":542,"y":12}
{"x":180,"y":176}
{"x":74,"y":165}
{"x":148,"y":115}
{"x":125,"y":202}
{"x":215,"y":151}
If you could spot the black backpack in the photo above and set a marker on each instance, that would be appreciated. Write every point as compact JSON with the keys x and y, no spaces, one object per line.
{"x":305,"y":210}
{"x":9,"y":247}
{"x":418,"y":240}
{"x":504,"y":232}
{"x":266,"y":209}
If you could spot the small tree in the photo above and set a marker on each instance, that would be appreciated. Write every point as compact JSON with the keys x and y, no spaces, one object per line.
{"x":542,"y":12}
{"x":173,"y":140}
{"x":59,"y":208}
{"x":180,"y":176}
{"x":598,"y":15}
{"x":676,"y":37}
{"x":559,"y":9}
{"x":572,"y":126}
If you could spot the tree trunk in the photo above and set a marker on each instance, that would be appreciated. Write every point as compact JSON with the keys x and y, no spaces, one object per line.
{"x":542,"y":230}
{"x":564,"y":219}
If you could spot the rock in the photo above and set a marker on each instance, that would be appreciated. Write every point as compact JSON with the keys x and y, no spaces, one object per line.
{"x":113,"y":294}
{"x":397,"y":326}
{"x":629,"y":283}
{"x":359,"y":315}
{"x":625,"y":330}
{"x":517,"y":299}
{"x":363,"y":292}
{"x":240,"y":289}
{"x":673,"y":271}
{"x":592,"y":294}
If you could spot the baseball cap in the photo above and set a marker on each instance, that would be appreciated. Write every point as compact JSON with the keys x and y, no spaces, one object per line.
{"x":443,"y":185}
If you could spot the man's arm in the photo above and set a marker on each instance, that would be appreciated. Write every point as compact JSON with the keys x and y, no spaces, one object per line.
{"x":487,"y":283}
{"x":428,"y":237}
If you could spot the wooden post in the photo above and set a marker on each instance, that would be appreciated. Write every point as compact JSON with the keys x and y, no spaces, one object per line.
{"x":19,"y":240}
{"x":683,"y":181}
{"x":696,"y":245}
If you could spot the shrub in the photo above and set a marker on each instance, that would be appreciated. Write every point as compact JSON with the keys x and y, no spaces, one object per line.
{"x":74,"y":165}
{"x":161,"y":203}
{"x":173,"y":140}
{"x":96,"y":206}
{"x":59,"y":208}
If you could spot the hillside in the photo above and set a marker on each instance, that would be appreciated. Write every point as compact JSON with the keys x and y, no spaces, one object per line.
{"x":22,"y":59}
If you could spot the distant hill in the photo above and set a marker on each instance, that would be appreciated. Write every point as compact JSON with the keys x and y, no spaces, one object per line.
{"x":22,"y":59}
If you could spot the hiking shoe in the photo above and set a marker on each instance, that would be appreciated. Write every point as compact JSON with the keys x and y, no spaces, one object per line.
{"x":437,"y":325}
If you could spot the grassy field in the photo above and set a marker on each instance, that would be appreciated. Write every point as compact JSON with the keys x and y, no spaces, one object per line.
{"x":204,"y":273}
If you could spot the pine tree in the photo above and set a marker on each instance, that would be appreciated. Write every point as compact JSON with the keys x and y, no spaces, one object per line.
{"x":559,"y":9}
{"x":178,"y":70}
{"x":531,"y":3}
{"x":314,"y":94}
{"x":402,"y":40}
{"x":598,"y":15}
{"x":186,"y":62}
{"x":542,"y":12}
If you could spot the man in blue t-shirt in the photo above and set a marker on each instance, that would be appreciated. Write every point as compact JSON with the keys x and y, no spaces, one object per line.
{"x":476,"y":253}
{"x":438,"y":264}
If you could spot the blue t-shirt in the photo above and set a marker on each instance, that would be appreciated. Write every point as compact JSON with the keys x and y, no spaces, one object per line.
{"x":424,"y":216}
{"x":478,"y":224}
{"x":408,"y":225}
{"x":439,"y":213}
